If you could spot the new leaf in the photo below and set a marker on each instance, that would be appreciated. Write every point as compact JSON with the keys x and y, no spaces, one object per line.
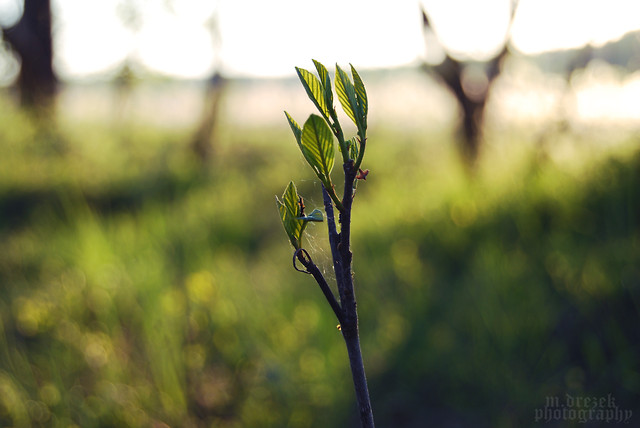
{"x":317,"y":148}
{"x":326,"y":86}
{"x":353,"y":99}
{"x":290,"y":214}
{"x":315,"y":90}
{"x":361,"y":95}
{"x":297,"y":132}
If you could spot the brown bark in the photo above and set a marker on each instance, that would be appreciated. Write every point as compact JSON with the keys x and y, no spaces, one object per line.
{"x":31,"y":39}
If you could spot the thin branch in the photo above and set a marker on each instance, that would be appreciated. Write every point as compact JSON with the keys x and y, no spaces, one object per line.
{"x":347,"y":297}
{"x":296,"y":256}
{"x":334,"y":237}
{"x":304,"y":258}
{"x":359,"y":379}
{"x":337,"y":131}
{"x":334,"y":243}
{"x":348,"y":301}
{"x":363,"y":145}
{"x":332,"y":194}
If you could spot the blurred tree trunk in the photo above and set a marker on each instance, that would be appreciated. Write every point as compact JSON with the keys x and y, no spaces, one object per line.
{"x":202,"y":142}
{"x":471,"y":84}
{"x":471,"y":93}
{"x":31,"y":39}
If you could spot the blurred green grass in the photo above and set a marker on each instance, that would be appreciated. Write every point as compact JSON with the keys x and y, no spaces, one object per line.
{"x":141,"y":289}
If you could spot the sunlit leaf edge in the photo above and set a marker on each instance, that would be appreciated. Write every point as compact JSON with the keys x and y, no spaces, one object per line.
{"x":314,"y":90}
{"x":317,"y":146}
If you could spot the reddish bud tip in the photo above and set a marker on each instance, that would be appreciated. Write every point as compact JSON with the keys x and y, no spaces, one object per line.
{"x":362,"y":175}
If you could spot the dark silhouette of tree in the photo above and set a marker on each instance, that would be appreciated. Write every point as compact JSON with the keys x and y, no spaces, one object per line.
{"x":201,"y":144}
{"x":131,"y":15}
{"x":31,"y":39}
{"x":470,"y":83}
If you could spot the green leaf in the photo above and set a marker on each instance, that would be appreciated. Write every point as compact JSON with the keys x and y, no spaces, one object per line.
{"x":297,"y":132}
{"x":322,"y":72}
{"x":347,"y":95}
{"x":326,"y":83}
{"x":317,"y":147}
{"x":314,"y":90}
{"x":316,"y":215}
{"x":361,"y":94}
{"x":290,"y":211}
{"x":354,"y":148}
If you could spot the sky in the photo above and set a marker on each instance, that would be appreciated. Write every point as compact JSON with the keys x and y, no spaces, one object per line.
{"x":258,"y":38}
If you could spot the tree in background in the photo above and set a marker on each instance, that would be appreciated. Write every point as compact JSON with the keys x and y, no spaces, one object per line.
{"x":201,"y":144}
{"x":470,"y":83}
{"x":31,"y":39}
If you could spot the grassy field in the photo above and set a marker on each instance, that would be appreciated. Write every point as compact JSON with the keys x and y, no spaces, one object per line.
{"x":139,"y":288}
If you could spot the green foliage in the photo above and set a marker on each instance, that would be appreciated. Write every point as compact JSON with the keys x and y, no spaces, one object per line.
{"x":293,"y":218}
{"x":353,"y":99}
{"x":354,"y":149}
{"x":317,"y":148}
{"x":315,"y":89}
{"x":315,"y":138}
{"x":295,"y":128}
{"x":326,"y":87}
{"x":291,"y":215}
{"x":361,"y":93}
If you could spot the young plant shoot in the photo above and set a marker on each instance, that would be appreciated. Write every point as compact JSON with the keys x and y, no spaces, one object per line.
{"x":316,"y":142}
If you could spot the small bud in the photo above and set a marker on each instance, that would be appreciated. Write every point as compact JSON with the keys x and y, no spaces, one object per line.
{"x":362,"y":175}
